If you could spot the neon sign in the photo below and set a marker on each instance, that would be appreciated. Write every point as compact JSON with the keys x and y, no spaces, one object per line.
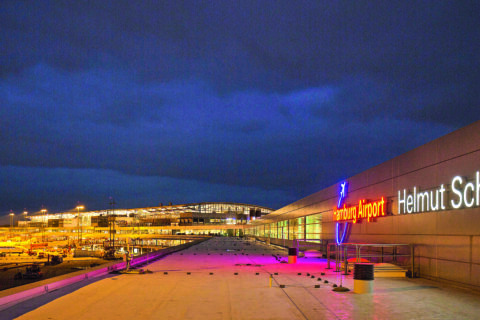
{"x":341,"y":199}
{"x":343,"y":194}
{"x":464,"y":194}
{"x":364,"y":210}
{"x":340,"y":238}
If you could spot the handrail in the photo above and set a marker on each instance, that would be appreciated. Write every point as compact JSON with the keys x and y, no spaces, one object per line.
{"x":339,"y":253}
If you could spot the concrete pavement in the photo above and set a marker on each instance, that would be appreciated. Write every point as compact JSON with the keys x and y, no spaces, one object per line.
{"x":227,"y":278}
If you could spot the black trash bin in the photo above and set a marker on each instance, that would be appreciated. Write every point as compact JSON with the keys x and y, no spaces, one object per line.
{"x":363,"y":275}
{"x":292,"y":255}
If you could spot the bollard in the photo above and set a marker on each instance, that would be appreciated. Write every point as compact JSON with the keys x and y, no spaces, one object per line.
{"x":270,"y":281}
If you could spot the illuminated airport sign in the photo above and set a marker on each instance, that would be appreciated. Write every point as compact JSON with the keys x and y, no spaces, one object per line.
{"x":461,"y":194}
{"x":343,"y":214}
{"x":365,"y":210}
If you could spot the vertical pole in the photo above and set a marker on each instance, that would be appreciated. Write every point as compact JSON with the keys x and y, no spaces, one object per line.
{"x":337,"y":258}
{"x":81,"y":227}
{"x":345,"y":259}
{"x":128,"y":254}
{"x":412,"y":262}
{"x":304,"y":227}
{"x":113,"y":223}
{"x":288,"y":230}
{"x":328,"y":257}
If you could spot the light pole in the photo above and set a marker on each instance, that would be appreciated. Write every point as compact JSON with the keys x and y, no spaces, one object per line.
{"x":25,"y":212}
{"x":111,"y":221}
{"x":43,"y":211}
{"x":11,"y":222}
{"x":78,"y":223}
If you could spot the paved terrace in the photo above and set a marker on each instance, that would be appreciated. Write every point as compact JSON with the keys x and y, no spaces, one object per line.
{"x":218,"y":279}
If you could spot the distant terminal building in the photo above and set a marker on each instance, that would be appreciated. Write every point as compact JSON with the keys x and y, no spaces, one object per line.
{"x":195,"y":218}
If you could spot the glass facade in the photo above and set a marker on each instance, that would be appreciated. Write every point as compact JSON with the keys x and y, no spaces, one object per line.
{"x":196,"y":214}
{"x":305,"y":228}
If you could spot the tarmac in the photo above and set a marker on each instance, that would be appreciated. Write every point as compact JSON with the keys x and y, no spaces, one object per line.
{"x":229,"y":278}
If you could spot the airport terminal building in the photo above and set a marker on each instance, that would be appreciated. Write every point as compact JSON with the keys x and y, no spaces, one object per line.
{"x":427,"y":199}
{"x":223,"y":218}
{"x":426,"y":202}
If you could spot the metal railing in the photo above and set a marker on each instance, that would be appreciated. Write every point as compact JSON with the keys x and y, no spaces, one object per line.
{"x":375,"y":253}
{"x":318,"y":244}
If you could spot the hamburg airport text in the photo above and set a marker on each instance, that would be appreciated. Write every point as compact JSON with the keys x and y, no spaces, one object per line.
{"x":365,"y":210}
{"x":463,"y":194}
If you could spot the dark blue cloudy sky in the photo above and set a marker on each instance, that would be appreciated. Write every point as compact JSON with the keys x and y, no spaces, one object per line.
{"x":260,"y":102}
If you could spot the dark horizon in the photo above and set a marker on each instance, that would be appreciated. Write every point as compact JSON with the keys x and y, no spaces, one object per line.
{"x":253,"y":102}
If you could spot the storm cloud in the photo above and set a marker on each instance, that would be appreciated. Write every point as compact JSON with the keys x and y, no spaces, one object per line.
{"x":247,"y":101}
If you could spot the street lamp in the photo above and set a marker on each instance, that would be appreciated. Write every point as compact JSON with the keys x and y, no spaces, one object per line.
{"x":25,"y":212}
{"x":78,"y":223}
{"x":11,"y":222}
{"x":43,"y":211}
